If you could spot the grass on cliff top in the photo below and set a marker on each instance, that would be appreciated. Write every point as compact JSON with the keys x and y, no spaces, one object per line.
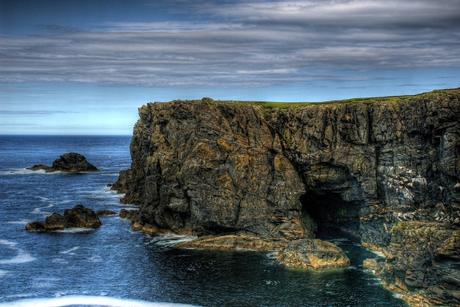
{"x":367,"y":100}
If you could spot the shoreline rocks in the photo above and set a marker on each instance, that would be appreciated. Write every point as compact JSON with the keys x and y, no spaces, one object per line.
{"x":77,"y":217}
{"x":71,"y":162}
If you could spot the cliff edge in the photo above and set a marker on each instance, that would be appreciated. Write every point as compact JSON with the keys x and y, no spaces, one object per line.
{"x":385,"y":170}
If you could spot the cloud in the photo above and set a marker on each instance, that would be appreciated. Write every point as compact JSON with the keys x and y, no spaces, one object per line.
{"x":251,"y":43}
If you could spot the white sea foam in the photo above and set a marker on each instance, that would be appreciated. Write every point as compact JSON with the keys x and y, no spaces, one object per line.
{"x":75,"y":230}
{"x":3,"y":273}
{"x":25,"y":171}
{"x":170,"y":240}
{"x":272,"y":255}
{"x":21,"y":255}
{"x":20,"y":222}
{"x":69,"y":251}
{"x":380,"y":254}
{"x":72,"y":300}
{"x":39,"y":210}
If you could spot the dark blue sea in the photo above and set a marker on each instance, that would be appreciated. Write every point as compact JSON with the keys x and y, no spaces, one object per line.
{"x":114,"y":266}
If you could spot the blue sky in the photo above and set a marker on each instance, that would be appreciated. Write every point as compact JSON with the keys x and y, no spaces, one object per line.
{"x":84,"y":67}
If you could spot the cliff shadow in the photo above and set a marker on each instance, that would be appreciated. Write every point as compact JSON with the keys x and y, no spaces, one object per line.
{"x":332,"y":201}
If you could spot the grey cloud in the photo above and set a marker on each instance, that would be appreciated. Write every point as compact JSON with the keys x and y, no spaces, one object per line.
{"x":250,"y":43}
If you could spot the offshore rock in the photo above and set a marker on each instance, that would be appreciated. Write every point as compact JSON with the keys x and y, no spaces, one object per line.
{"x":69,"y":162}
{"x":284,"y":171}
{"x":79,"y":216}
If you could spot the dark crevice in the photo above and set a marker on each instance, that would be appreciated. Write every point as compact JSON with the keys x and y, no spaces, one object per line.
{"x":324,"y":212}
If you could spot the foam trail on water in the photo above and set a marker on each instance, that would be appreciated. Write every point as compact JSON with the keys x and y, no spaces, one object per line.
{"x":21,"y":256}
{"x":169,"y":240}
{"x":20,"y":222}
{"x":69,"y":251}
{"x":39,"y":210}
{"x":25,"y":171}
{"x":72,"y":300}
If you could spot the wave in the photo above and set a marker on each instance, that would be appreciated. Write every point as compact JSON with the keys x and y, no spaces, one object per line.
{"x":39,"y":210}
{"x":170,"y":240}
{"x":21,"y":255}
{"x":69,"y":251}
{"x":85,"y":300}
{"x":20,"y":222}
{"x":75,"y":230}
{"x":3,"y":273}
{"x":25,"y":171}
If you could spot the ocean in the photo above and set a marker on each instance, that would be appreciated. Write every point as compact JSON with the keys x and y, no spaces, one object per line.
{"x":114,"y":266}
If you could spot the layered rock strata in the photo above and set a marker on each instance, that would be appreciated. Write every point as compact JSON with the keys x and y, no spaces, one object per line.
{"x":386,"y":170}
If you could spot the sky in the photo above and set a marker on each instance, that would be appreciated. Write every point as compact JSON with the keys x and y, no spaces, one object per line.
{"x":85,"y":66}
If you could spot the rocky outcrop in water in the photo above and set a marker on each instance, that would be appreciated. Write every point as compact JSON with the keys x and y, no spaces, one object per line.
{"x":77,"y":217}
{"x":69,"y":162}
{"x":386,"y":170}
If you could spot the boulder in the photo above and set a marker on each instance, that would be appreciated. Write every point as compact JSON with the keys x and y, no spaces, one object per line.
{"x":313,"y":254}
{"x":35,"y":227}
{"x":78,"y":216}
{"x":55,"y":222}
{"x":71,"y":162}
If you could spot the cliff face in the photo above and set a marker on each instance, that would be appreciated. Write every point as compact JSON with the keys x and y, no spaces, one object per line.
{"x":384,"y":170}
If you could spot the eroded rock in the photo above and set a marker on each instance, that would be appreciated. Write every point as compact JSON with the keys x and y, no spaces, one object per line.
{"x":79,"y":216}
{"x":313,"y":254}
{"x":69,"y":162}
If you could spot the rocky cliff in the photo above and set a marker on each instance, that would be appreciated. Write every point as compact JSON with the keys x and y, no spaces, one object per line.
{"x":386,"y":170}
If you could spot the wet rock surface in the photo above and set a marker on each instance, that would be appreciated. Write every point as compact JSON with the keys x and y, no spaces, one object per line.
{"x":367,"y":166}
{"x":77,"y":217}
{"x":69,"y":162}
{"x":313,"y":254}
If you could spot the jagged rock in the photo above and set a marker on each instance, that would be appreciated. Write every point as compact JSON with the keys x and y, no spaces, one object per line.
{"x":282,"y":172}
{"x":35,"y":227}
{"x":78,"y":216}
{"x":370,"y":264}
{"x":105,"y":212}
{"x":132,"y":215}
{"x":313,"y":254}
{"x":55,"y":222}
{"x":69,"y":162}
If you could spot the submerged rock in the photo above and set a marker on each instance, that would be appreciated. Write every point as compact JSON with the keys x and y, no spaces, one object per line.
{"x":69,"y":162}
{"x":313,"y":254}
{"x":79,"y":216}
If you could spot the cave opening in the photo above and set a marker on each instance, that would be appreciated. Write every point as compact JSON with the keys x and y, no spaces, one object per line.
{"x":326,"y":213}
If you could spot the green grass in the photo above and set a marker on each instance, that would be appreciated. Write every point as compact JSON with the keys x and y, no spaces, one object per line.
{"x":367,"y":100}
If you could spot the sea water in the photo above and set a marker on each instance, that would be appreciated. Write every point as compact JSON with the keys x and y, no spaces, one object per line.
{"x":114,"y":266}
